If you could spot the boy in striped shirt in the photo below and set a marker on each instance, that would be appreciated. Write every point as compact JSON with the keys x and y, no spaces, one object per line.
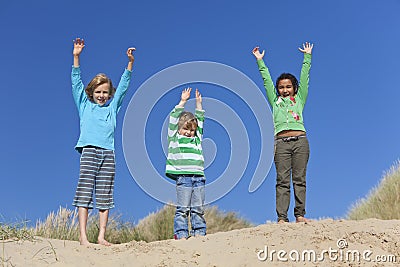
{"x":185,"y":165}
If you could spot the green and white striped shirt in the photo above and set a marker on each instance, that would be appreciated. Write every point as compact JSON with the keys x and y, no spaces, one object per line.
{"x":185,"y":154}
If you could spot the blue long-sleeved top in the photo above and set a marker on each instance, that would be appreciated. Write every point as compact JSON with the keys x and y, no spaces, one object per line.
{"x":97,"y":123}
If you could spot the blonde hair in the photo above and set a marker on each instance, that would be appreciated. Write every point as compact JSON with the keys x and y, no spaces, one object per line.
{"x":188,"y":120}
{"x":98,"y":80}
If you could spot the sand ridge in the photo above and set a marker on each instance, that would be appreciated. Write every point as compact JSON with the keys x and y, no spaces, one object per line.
{"x":369,"y":242}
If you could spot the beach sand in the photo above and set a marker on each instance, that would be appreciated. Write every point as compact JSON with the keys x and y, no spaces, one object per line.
{"x":369,"y":242}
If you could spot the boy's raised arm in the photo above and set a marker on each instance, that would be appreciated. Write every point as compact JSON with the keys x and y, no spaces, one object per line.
{"x":79,"y":44}
{"x":199,"y":113}
{"x":130,"y":57}
{"x":125,"y":80}
{"x":199,"y":100}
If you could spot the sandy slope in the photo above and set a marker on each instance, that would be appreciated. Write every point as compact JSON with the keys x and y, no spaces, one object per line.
{"x":371,"y":238}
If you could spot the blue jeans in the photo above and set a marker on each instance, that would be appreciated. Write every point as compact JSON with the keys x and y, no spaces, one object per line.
{"x":190,"y":199}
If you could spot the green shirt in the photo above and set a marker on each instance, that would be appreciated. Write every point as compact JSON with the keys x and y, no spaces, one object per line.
{"x":185,"y":154}
{"x":288,"y":111}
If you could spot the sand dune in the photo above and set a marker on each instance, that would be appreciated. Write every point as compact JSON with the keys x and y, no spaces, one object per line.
{"x":320,"y":243}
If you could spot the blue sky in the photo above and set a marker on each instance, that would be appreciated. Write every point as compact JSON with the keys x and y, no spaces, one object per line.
{"x":351,"y":115}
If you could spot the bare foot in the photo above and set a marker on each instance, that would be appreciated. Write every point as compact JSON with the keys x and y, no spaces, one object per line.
{"x":182,"y":238}
{"x":84,"y":243}
{"x":301,"y":219}
{"x":281,"y":222}
{"x":103,"y":242}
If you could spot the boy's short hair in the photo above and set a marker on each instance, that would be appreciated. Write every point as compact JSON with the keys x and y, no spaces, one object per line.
{"x":98,"y":80}
{"x":290,"y":77}
{"x":187,"y":118}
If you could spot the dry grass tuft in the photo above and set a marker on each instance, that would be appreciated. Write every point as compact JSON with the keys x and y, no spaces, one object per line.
{"x":160,"y":225}
{"x":64,"y":225}
{"x":156,"y":226}
{"x":383,"y":201}
{"x":15,"y":231}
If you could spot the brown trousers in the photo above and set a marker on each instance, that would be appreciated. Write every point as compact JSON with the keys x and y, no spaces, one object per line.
{"x":291,"y":158}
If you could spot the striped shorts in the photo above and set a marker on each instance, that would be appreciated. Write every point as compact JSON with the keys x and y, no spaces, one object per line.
{"x":97,"y":171}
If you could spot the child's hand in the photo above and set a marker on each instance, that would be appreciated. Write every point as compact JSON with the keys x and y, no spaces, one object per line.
{"x":130,"y":54}
{"x":198,"y":100}
{"x":257,"y":54}
{"x":307,"y":48}
{"x":79,"y":44}
{"x":198,"y":97}
{"x":184,"y":97}
{"x":186,"y":94}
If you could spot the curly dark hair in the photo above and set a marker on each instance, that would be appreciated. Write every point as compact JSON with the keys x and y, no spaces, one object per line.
{"x":98,"y":80}
{"x":290,"y":77}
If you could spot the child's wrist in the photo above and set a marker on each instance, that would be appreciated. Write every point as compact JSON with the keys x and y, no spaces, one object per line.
{"x":182,"y":103}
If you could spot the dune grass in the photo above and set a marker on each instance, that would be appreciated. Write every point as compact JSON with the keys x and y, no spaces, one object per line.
{"x":160,"y":225}
{"x":15,"y":231}
{"x":383,"y":201}
{"x":157,"y":225}
{"x":219,"y":221}
{"x":63,"y":225}
{"x":11,"y":232}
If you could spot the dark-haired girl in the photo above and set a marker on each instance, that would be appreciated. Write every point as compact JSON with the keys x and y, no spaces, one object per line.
{"x":287,"y":99}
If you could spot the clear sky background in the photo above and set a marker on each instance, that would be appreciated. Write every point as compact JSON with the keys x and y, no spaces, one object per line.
{"x":351,"y":116}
